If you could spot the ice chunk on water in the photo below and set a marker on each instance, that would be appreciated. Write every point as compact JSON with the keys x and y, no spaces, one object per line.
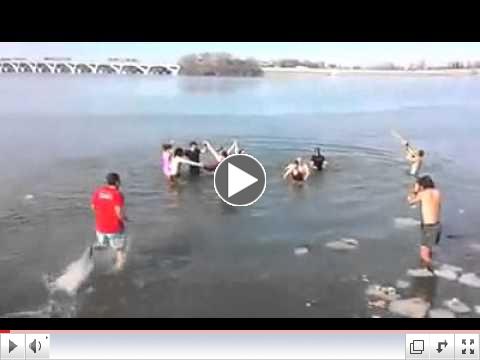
{"x":29,"y":197}
{"x":386,"y":293}
{"x":477,"y":309}
{"x":301,"y":250}
{"x":453,"y":268}
{"x":474,"y":246}
{"x":446,"y":274}
{"x":403,"y":222}
{"x":343,"y":244}
{"x":412,"y":308}
{"x":457,"y":306}
{"x":419,"y":273}
{"x":470,"y":279}
{"x":441,"y":313}
{"x":402,"y":284}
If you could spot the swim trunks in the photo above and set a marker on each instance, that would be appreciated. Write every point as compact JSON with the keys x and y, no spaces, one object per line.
{"x":298,"y":176}
{"x":210,"y":167}
{"x":116,"y":241}
{"x":431,"y":234}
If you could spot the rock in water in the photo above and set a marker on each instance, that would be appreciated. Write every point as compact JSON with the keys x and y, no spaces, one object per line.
{"x":441,"y":313}
{"x":402,"y":222}
{"x":343,"y":244}
{"x":382,"y":292}
{"x":457,"y":306}
{"x":301,"y":250}
{"x":470,"y":279}
{"x":412,"y":308}
{"x":402,"y":284}
{"x":419,"y":273}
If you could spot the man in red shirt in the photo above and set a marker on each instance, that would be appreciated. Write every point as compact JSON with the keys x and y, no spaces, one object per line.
{"x":109,"y":208}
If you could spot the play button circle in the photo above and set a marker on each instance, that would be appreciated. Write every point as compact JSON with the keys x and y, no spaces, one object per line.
{"x":240,"y":180}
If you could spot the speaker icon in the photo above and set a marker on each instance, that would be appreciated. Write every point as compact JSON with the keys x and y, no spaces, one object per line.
{"x":35,"y":346}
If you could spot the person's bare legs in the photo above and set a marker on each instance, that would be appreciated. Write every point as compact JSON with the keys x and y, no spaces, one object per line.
{"x":120,"y":259}
{"x":426,"y":257}
{"x":215,"y":154}
{"x":233,"y":149}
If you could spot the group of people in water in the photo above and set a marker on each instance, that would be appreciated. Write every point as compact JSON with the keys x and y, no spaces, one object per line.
{"x":108,"y":201}
{"x":172,"y":159}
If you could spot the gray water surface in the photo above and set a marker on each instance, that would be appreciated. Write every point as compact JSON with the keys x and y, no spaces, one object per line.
{"x":192,"y":255}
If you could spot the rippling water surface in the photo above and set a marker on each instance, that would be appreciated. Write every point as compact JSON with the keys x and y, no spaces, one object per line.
{"x":190,"y":253}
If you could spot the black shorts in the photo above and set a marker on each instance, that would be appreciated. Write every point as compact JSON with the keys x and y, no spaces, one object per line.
{"x":431,"y":234}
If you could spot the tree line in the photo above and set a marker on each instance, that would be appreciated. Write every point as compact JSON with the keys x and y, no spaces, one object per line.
{"x":219,"y":64}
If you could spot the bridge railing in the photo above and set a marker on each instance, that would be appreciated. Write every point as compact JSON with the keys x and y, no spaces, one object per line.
{"x":71,"y":67}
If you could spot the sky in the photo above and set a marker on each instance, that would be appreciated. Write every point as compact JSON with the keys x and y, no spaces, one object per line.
{"x":345,"y":53}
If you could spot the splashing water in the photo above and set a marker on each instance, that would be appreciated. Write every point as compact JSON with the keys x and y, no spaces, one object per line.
{"x":74,"y":275}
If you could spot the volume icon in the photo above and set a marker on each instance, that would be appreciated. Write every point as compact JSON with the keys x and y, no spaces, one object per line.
{"x":35,"y":346}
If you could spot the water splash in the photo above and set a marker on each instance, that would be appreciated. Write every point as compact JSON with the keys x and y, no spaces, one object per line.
{"x":74,"y":275}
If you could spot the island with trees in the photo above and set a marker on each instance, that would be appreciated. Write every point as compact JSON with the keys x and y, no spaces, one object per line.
{"x":218,"y":64}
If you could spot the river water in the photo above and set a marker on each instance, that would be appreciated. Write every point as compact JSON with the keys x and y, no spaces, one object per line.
{"x":192,"y":255}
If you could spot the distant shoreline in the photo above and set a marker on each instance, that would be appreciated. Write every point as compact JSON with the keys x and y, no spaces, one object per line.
{"x":364,"y":72}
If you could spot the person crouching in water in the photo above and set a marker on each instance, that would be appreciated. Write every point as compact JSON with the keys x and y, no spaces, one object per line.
{"x":218,"y":156}
{"x":108,"y":206}
{"x":176,"y":163}
{"x":318,"y":161}
{"x":430,"y":200}
{"x":298,"y":171}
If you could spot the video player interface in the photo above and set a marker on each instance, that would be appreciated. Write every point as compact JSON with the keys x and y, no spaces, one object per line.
{"x":240,"y":345}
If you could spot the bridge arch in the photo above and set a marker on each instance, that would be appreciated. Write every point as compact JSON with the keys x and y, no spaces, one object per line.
{"x":106,"y":69}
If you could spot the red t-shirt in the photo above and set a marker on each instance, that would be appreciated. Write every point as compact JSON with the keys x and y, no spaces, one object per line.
{"x":104,"y":200}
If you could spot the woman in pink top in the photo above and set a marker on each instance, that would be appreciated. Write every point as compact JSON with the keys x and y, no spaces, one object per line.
{"x":167,"y":156}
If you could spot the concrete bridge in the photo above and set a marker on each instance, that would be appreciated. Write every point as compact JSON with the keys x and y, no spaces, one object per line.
{"x":68,"y":66}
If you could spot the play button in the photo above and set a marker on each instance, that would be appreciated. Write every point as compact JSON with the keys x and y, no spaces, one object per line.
{"x":11,"y":346}
{"x":240,"y":180}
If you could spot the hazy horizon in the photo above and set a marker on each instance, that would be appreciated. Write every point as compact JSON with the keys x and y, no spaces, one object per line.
{"x":346,"y":53}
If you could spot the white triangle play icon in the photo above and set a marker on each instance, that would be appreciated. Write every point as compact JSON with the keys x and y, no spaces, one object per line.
{"x":238,"y":180}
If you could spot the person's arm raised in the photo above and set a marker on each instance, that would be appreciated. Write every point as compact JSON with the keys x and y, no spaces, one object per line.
{"x":307,"y":172}
{"x":414,"y":197}
{"x":215,"y":154}
{"x":287,"y":171}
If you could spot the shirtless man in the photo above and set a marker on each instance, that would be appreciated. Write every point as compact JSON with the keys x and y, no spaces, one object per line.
{"x":298,"y":171}
{"x":430,"y":200}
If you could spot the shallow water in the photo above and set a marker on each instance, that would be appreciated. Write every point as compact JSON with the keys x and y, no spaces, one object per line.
{"x":190,"y":253}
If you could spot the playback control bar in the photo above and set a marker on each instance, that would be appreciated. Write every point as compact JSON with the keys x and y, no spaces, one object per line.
{"x":240,"y":345}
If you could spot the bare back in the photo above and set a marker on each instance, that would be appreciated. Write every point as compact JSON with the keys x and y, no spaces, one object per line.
{"x":431,"y":202}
